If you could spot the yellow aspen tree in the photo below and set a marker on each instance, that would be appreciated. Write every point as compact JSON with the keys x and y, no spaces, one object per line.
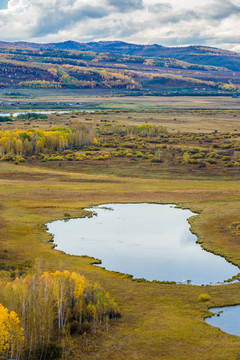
{"x":4,"y":330}
{"x":47,"y":305}
{"x":11,"y":334}
{"x":60,"y":287}
{"x":16,"y":337}
{"x":80,"y":286}
{"x":38,"y":147}
{"x":18,"y":147}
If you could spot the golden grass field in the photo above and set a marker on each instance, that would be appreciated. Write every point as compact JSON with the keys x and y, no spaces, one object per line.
{"x":159,"y":321}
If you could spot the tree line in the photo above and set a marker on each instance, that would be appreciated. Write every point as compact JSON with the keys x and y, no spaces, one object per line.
{"x":32,"y":141}
{"x":39,"y":311}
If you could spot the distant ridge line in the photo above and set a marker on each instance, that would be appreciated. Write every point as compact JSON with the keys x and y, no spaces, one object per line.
{"x":194,"y":54}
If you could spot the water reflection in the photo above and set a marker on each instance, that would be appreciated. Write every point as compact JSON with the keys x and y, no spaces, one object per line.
{"x":227,"y":319}
{"x":15,"y":114}
{"x":149,"y":241}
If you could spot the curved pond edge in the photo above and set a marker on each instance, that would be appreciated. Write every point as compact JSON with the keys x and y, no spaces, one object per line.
{"x":97,"y":262}
{"x":235,"y":278}
{"x":226,"y":318}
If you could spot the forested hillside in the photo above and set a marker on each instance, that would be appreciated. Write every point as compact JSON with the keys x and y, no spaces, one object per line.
{"x":126,"y":68}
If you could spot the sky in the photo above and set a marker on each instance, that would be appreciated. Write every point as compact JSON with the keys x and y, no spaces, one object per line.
{"x":169,"y":23}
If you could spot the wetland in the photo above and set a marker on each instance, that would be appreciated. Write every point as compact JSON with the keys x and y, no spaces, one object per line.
{"x":226,"y":318}
{"x":173,"y":156}
{"x":149,"y":241}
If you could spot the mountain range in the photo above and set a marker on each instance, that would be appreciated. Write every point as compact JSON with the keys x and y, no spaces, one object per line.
{"x":125,"y":67}
{"x":203,"y":55}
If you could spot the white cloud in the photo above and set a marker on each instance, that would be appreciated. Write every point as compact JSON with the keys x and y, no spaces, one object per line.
{"x":172,"y":22}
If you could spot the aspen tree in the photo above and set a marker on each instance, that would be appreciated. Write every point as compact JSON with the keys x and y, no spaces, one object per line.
{"x":40,"y":301}
{"x":11,"y":334}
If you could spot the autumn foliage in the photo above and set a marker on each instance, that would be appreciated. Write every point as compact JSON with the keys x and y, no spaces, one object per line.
{"x":49,"y":307}
{"x":11,"y":335}
{"x":20,"y":142}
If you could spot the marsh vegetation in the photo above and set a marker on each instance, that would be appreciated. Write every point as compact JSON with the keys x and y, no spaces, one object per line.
{"x":168,"y":148}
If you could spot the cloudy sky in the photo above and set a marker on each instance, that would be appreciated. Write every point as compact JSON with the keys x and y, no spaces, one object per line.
{"x":171,"y":22}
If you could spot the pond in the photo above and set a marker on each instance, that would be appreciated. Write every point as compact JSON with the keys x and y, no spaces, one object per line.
{"x":14,"y":114}
{"x":226,"y":318}
{"x":148,"y":241}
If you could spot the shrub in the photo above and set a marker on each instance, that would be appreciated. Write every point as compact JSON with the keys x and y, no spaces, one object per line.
{"x":201,"y":165}
{"x":8,"y":157}
{"x":70,"y":157}
{"x":67,"y":152}
{"x":100,"y":157}
{"x":129,"y":154}
{"x":211,"y":161}
{"x":80,"y":158}
{"x":27,"y":116}
{"x":139,"y":154}
{"x":5,"y":119}
{"x":225,"y":158}
{"x":45,"y":159}
{"x":51,"y":351}
{"x":56,"y":158}
{"x":73,"y":327}
{"x":229,"y":164}
{"x":204,"y":297}
{"x":155,"y":160}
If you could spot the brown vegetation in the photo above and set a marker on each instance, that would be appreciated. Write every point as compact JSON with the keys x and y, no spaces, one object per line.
{"x":51,"y":68}
{"x":159,"y":320}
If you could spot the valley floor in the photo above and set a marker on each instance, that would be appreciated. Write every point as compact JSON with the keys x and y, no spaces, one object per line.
{"x":159,"y":321}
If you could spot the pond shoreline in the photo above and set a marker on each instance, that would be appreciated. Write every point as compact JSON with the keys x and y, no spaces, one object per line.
{"x":226,"y":318}
{"x":142,"y":278}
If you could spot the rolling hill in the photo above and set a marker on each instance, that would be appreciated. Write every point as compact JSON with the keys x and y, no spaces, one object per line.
{"x":149,"y":69}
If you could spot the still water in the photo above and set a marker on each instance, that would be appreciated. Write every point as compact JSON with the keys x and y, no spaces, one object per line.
{"x":14,"y":114}
{"x":148,"y":241}
{"x":227,"y":319}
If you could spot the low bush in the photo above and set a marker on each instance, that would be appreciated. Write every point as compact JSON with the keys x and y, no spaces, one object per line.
{"x":204,"y":297}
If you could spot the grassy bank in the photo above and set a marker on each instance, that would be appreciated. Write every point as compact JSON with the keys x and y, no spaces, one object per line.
{"x":159,"y":321}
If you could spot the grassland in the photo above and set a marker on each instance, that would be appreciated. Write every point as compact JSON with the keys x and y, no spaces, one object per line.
{"x":159,"y":321}
{"x":103,"y":99}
